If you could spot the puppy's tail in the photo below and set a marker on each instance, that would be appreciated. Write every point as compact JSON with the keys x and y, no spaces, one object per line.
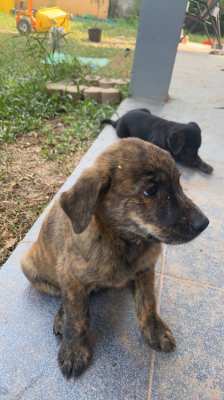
{"x":110,"y":122}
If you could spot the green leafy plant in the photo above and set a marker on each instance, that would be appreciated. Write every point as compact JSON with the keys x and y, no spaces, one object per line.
{"x":80,"y":126}
{"x":24,"y":101}
{"x":25,"y":104}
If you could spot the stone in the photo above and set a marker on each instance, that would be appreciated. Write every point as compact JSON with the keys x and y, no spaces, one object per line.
{"x":108,"y":83}
{"x":55,"y":87}
{"x":92,"y":80}
{"x":120,"y":82}
{"x":110,"y":96}
{"x":65,"y":87}
{"x":94,"y":93}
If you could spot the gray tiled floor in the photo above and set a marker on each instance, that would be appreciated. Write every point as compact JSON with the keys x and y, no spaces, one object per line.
{"x":189,"y":282}
{"x":28,"y":358}
{"x":200,"y":260}
{"x":195,"y":370}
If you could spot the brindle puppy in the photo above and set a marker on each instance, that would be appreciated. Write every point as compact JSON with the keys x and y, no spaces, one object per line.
{"x":106,"y":231}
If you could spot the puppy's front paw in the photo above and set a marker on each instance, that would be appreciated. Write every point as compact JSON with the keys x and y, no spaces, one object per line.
{"x":158,"y":335}
{"x":73,"y":359}
{"x":58,"y":325}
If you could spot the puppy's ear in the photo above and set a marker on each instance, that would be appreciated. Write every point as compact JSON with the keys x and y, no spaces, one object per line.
{"x":80,"y":202}
{"x":194,"y":126}
{"x":176,"y":141}
{"x":145,"y":110}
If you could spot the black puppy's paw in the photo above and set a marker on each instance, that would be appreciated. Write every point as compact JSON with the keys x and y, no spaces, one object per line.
{"x":73,"y":359}
{"x":208,"y":169}
{"x":158,"y":335}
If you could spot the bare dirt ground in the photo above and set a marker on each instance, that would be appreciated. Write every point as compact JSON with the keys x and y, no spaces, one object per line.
{"x":28,"y":182}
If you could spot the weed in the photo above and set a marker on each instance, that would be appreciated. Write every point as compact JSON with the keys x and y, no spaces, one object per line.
{"x":79,"y":127}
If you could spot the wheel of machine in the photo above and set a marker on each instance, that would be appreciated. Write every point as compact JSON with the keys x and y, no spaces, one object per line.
{"x":24,"y":26}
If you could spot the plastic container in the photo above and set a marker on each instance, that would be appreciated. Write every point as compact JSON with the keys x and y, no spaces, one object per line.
{"x":95,"y":35}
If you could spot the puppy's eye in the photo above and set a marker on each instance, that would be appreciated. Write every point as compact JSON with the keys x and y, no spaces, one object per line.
{"x":151,"y":191}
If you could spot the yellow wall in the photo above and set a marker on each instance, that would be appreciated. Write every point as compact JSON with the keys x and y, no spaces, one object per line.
{"x":97,"y":8}
{"x":44,"y":3}
{"x":6,"y":5}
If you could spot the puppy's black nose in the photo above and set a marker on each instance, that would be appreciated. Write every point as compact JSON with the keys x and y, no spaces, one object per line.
{"x":199,"y":223}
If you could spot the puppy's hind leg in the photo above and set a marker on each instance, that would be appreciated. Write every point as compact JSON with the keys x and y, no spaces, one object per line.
{"x":32,"y":273}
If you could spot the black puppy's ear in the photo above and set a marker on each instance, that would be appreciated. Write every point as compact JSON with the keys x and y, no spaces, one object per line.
{"x":176,"y":141}
{"x":145,"y":110}
{"x":79,"y":203}
{"x":195,"y":126}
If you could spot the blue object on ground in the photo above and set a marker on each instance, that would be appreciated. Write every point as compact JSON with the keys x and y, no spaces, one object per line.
{"x":58,"y":58}
{"x":93,"y":62}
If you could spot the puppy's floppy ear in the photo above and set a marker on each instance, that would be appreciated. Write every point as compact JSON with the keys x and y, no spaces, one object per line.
{"x":145,"y":110}
{"x":195,"y":126}
{"x":176,"y":141}
{"x":80,"y":202}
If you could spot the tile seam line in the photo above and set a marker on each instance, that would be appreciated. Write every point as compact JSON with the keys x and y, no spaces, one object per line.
{"x":193,"y":282}
{"x":152,"y":362}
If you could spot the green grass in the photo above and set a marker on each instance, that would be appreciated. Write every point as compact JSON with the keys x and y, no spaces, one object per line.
{"x":81,"y":125}
{"x":197,"y":38}
{"x":111,"y":28}
{"x":7,"y":22}
{"x":25,"y":104}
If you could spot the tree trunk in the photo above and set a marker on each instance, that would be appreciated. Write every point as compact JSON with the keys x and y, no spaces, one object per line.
{"x":124,"y":8}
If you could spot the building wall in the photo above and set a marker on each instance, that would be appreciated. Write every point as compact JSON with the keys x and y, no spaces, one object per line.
{"x":97,"y":8}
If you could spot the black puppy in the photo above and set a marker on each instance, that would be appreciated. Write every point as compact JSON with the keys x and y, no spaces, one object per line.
{"x":181,"y":140}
